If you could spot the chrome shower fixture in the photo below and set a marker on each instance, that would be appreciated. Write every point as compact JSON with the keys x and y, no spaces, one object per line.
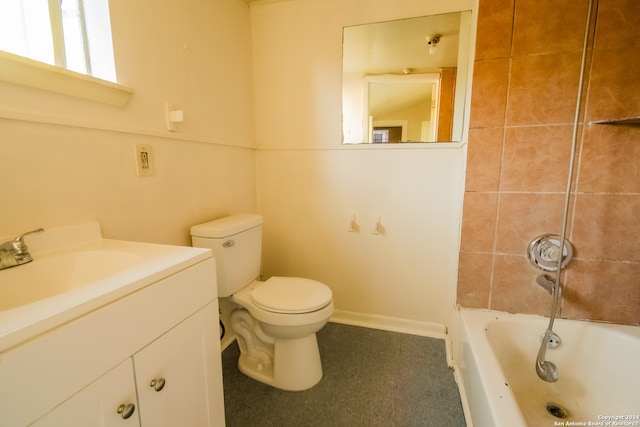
{"x":546,"y":370}
{"x":553,"y":341}
{"x":544,"y":252}
{"x":550,"y":252}
{"x":547,"y":282}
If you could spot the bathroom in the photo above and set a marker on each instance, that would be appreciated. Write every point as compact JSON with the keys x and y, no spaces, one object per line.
{"x":261,"y":133}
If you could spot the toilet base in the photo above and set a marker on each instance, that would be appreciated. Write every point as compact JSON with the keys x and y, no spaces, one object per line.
{"x":296,"y":365}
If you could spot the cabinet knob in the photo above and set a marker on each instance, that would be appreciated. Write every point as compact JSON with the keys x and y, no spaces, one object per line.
{"x":157,"y":384}
{"x":126,"y":410}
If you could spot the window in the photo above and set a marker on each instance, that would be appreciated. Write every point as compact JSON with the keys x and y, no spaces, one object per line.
{"x":380,"y":135}
{"x":387,"y":134}
{"x":73,"y":34}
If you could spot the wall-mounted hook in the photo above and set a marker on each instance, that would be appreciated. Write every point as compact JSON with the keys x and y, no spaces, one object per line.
{"x":352,"y":224}
{"x":377,"y":227}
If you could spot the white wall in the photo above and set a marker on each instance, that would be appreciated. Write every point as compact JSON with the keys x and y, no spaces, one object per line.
{"x":308,"y":182}
{"x":64,"y":160}
{"x":407,"y":272}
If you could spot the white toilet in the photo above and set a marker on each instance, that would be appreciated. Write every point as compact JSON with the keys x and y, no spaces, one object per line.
{"x":279,"y":318}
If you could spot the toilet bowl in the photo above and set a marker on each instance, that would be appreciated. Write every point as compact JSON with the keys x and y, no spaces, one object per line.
{"x":272,"y":322}
{"x":276,"y":320}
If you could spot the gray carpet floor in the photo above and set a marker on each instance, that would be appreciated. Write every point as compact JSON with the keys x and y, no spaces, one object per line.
{"x":371,"y":378}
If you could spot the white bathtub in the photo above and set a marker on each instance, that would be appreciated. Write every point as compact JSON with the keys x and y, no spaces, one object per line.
{"x":599,"y":367}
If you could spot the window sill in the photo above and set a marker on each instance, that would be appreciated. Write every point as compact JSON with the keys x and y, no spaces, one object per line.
{"x":28,"y":72}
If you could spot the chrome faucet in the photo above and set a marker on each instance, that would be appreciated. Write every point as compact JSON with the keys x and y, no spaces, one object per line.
{"x":15,"y":252}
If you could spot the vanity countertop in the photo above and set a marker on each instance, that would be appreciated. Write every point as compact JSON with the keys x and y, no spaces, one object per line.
{"x":75,"y":271}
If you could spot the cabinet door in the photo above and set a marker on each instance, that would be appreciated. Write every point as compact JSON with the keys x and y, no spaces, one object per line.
{"x":98,"y":403}
{"x":179,"y":375}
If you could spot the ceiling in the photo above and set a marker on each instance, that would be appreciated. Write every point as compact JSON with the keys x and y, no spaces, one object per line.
{"x":390,"y":47}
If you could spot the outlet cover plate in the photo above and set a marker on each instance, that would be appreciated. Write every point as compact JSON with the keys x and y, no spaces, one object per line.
{"x":144,"y":160}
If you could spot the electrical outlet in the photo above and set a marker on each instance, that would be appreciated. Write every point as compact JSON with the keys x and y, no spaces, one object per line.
{"x":144,"y":160}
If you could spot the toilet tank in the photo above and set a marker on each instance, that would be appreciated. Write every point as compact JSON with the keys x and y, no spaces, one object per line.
{"x":236,"y":242}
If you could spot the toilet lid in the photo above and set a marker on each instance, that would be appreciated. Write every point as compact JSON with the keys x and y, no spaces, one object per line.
{"x":291,"y":295}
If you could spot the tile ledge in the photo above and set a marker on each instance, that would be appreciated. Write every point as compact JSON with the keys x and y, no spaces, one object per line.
{"x":629,"y":121}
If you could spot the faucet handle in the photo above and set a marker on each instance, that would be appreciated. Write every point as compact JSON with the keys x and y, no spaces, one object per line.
{"x":22,"y":255}
{"x":19,"y":241}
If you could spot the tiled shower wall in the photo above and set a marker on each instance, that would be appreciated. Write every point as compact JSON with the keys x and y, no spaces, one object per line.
{"x":525,"y":88}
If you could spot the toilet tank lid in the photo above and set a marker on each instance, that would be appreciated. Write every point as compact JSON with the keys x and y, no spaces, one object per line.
{"x":226,"y":226}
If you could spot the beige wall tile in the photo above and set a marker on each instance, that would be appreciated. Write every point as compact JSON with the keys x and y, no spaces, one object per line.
{"x":618,"y":24}
{"x":474,"y":279}
{"x":601,"y":290}
{"x":489,"y":94}
{"x":543,"y":89}
{"x":514,"y":287}
{"x":494,"y":29}
{"x":607,"y":227}
{"x":484,"y":157}
{"x":544,"y":26}
{"x":479,"y":222}
{"x":610,"y":160}
{"x":614,"y":85}
{"x":536,"y":159}
{"x":534,"y":141}
{"x":522,"y":217}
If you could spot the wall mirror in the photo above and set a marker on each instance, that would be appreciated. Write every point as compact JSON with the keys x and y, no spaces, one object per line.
{"x":405,"y":80}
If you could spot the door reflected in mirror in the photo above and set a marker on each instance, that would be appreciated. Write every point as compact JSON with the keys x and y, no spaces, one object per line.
{"x":405,"y":80}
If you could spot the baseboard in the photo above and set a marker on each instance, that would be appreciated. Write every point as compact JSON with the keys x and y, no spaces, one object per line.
{"x":387,"y":323}
{"x":374,"y":321}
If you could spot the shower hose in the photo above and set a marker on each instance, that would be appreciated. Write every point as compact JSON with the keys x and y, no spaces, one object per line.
{"x":547,"y":370}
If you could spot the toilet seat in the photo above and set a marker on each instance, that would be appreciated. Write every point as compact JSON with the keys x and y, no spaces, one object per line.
{"x":291,"y":295}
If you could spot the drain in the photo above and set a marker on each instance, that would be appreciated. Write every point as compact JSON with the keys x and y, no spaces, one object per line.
{"x":557,"y":410}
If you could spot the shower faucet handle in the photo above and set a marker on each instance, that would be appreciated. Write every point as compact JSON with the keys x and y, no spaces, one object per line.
{"x":544,"y":252}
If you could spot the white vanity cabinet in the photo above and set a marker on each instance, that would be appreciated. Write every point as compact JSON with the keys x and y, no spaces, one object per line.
{"x":157,"y":349}
{"x":177,"y":374}
{"x":96,"y":404}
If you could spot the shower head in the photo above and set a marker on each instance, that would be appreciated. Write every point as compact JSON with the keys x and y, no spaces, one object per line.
{"x":547,"y":371}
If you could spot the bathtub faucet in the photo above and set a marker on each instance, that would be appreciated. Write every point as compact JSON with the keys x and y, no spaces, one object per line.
{"x":15,"y":252}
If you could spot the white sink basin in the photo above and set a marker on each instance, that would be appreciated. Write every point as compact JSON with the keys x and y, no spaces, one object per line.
{"x":74,"y":271}
{"x":58,"y":273}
